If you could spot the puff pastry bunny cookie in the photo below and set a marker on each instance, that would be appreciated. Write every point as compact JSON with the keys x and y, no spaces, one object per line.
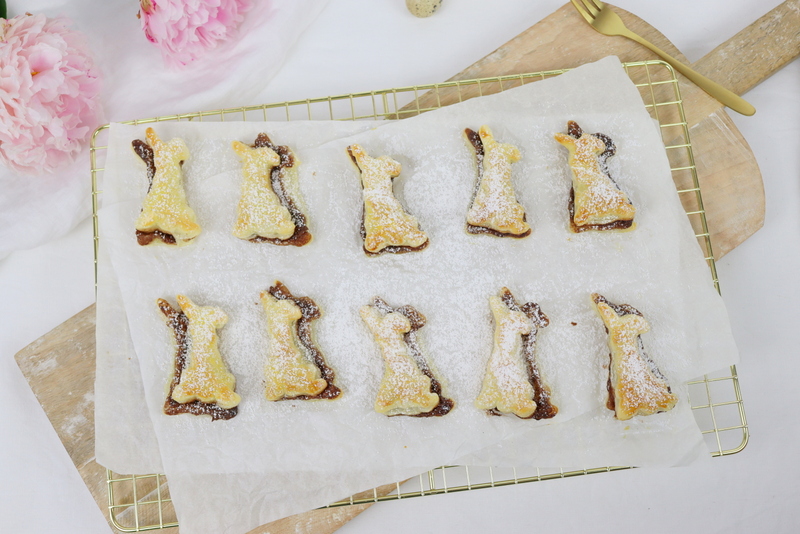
{"x":495,"y":209}
{"x":296,"y":369}
{"x":512,"y":383}
{"x":201,"y":383}
{"x":635,"y":385}
{"x":386,"y":226}
{"x":596,"y":202}
{"x":166,"y":216}
{"x":408,"y":386}
{"x":269,"y":205}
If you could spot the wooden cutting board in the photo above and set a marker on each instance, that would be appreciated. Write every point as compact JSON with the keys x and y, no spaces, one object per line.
{"x":733,"y":193}
{"x":60,"y":366}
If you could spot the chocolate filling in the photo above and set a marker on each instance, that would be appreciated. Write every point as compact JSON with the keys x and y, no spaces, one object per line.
{"x":611,"y":403}
{"x":301,"y":235}
{"x":179,"y":323}
{"x":575,"y":131}
{"x":310,"y":311}
{"x":391,"y":249}
{"x":145,"y":238}
{"x":145,"y":152}
{"x":417,"y":321}
{"x":623,"y":310}
{"x":545,"y":409}
{"x":619,"y":224}
{"x":475,"y":140}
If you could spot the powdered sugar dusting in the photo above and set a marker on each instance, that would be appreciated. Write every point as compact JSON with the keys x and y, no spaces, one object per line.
{"x":637,"y":390}
{"x":205,"y":377}
{"x":288,"y":371}
{"x":386,"y":223}
{"x":658,"y":267}
{"x":495,"y":205}
{"x":260,"y":212}
{"x":404,"y":389}
{"x":506,"y":386}
{"x":165,"y":207}
{"x":598,"y":200}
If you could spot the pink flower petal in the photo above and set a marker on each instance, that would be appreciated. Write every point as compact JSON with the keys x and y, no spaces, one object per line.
{"x":49,"y":90}
{"x":184,"y":30}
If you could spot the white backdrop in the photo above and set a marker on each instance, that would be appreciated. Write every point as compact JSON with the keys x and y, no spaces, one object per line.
{"x":359,"y":45}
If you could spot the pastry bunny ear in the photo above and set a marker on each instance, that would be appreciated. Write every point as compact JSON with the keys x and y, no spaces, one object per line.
{"x":152,"y":138}
{"x":356,"y":152}
{"x":487,"y":138}
{"x":532,"y":310}
{"x":184,"y":302}
{"x":566,"y":140}
{"x":392,"y":167}
{"x":574,"y":130}
{"x":241,"y":148}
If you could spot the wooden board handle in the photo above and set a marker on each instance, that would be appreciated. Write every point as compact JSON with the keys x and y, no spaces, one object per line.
{"x":757,"y":52}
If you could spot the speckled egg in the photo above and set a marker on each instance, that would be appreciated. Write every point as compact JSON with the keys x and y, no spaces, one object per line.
{"x":423,"y":8}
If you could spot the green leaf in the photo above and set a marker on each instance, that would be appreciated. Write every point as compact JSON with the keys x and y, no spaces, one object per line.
{"x":3,"y":12}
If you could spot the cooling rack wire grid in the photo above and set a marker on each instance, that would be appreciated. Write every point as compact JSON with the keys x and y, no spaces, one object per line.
{"x":138,"y":503}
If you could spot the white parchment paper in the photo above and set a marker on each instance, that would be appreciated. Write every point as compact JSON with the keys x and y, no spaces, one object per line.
{"x":125,"y":441}
{"x":658,"y":268}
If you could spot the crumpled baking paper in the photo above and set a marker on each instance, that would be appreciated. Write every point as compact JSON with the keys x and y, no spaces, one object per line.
{"x":124,"y":438}
{"x":265,"y":459}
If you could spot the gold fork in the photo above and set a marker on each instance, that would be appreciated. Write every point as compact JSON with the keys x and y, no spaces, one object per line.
{"x":602,"y":19}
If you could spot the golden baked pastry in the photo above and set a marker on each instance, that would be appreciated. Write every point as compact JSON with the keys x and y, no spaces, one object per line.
{"x":201,"y":384}
{"x":385,"y":225}
{"x":408,"y":386}
{"x":495,"y":209}
{"x":166,"y":216}
{"x":596,"y":202}
{"x":295,"y":367}
{"x":635,"y":385}
{"x":268,"y":209}
{"x":512,"y":383}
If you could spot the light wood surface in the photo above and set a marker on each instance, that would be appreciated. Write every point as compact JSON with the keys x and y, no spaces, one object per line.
{"x":60,"y":366}
{"x":755,"y":53}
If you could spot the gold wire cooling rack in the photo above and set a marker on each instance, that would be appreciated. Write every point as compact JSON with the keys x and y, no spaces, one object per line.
{"x":139,"y":503}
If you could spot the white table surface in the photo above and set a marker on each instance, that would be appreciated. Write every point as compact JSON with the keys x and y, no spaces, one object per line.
{"x":360,"y":45}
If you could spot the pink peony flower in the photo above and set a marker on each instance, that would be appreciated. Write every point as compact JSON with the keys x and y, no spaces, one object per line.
{"x":49,"y":89}
{"x":185,"y":29}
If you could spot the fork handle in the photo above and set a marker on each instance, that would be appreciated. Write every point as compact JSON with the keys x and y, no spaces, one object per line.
{"x":729,"y":98}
